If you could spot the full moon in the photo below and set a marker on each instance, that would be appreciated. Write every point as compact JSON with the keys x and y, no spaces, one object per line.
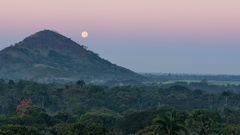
{"x":84,"y":34}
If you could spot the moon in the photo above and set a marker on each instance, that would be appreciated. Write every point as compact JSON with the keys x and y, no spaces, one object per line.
{"x":84,"y":34}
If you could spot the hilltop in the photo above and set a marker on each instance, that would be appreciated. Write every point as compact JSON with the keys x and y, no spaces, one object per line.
{"x":48,"y":56}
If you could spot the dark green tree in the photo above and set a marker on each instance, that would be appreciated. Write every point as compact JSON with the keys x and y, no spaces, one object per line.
{"x":203,"y":122}
{"x":80,"y":83}
{"x":80,"y":129}
{"x":170,"y":124}
{"x":231,"y":130}
{"x":18,"y":130}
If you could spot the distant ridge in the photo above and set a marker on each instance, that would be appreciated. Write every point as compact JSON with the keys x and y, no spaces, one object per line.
{"x":48,"y":56}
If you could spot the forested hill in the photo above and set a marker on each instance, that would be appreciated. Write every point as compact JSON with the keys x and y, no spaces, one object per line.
{"x":48,"y":56}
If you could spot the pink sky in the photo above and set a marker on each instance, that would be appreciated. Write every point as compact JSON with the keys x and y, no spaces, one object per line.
{"x":190,"y":36}
{"x":140,"y":18}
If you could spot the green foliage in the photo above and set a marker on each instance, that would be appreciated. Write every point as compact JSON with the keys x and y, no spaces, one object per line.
{"x":57,"y":98}
{"x":102,"y":117}
{"x":231,"y":115}
{"x":63,"y":117}
{"x":135,"y":121}
{"x":80,"y":129}
{"x":35,"y":115}
{"x":172,"y":123}
{"x":231,"y":130}
{"x":122,"y":110}
{"x":203,"y":122}
{"x":18,"y":130}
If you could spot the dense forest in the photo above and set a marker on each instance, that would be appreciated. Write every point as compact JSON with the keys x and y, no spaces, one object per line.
{"x":30,"y":108}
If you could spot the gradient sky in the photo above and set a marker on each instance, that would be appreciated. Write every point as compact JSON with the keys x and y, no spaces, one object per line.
{"x":173,"y":36}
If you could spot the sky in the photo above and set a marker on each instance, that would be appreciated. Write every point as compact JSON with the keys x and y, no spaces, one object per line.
{"x":167,"y":36}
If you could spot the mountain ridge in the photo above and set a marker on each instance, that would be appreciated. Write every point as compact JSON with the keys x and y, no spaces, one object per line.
{"x":48,"y":56}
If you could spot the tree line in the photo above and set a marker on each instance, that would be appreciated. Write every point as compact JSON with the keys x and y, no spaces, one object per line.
{"x":30,"y":108}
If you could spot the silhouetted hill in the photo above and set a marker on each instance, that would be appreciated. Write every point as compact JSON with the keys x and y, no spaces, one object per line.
{"x":50,"y":57}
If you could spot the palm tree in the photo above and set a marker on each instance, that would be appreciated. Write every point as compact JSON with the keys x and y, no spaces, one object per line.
{"x":170,"y":124}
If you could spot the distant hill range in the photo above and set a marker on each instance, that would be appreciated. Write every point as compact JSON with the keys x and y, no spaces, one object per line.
{"x":188,"y":77}
{"x":48,"y":56}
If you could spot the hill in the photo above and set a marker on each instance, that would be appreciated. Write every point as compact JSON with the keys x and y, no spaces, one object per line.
{"x":48,"y":56}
